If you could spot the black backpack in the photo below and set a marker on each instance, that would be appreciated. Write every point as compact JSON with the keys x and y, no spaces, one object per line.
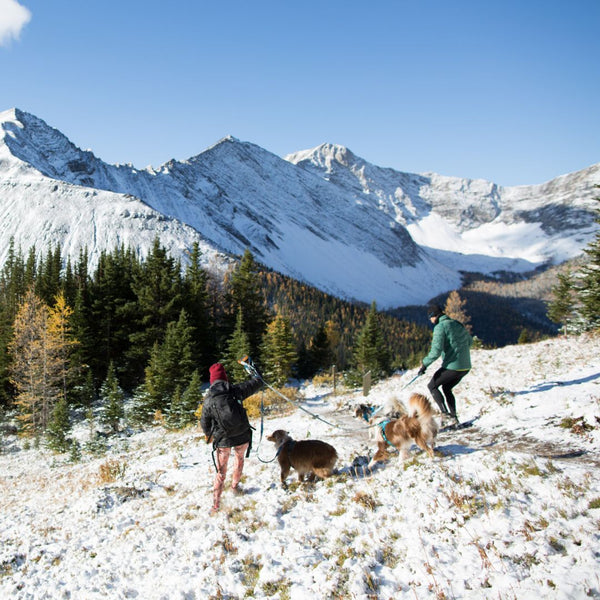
{"x":230,"y":413}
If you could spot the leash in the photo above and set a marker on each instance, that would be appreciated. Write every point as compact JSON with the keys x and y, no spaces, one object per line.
{"x":249,"y":367}
{"x":290,"y":444}
{"x":251,"y":370}
{"x":411,"y":381}
{"x":276,"y":455}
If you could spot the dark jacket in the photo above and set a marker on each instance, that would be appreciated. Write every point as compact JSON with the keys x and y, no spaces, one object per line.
{"x":209,"y":421}
{"x":452,"y":342}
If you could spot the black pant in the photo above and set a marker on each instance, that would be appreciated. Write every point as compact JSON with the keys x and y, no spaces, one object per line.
{"x":446,"y":379}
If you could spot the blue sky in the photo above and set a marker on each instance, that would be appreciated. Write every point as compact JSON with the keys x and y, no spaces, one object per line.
{"x":507,"y":91}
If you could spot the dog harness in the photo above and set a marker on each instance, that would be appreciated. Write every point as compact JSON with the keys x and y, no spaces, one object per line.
{"x":290,"y":446}
{"x":382,"y":426}
{"x":371,"y":410}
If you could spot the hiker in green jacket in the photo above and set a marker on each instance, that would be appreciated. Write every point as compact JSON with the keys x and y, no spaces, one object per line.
{"x":452,"y":342}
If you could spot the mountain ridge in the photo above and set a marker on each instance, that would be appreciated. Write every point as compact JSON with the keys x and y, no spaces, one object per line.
{"x":323,"y":216}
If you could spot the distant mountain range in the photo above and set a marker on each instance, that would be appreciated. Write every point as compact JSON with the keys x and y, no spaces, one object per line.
{"x":323,"y":216}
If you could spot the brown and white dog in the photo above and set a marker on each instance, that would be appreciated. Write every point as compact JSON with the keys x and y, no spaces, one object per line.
{"x":309,"y":457}
{"x":417,"y":426}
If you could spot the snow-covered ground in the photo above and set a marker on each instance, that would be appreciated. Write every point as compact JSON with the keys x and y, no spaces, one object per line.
{"x":509,"y":508}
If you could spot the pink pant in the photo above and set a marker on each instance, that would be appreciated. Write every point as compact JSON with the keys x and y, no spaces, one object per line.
{"x":222,"y":458}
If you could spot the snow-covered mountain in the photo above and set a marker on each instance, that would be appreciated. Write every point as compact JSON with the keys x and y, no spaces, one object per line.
{"x":475,"y":218}
{"x":322,"y":216}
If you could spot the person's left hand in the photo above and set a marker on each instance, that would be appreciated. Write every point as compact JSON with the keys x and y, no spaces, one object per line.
{"x":422,"y":370}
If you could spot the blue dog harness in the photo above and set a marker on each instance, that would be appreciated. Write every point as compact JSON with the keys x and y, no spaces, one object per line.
{"x":382,"y":426}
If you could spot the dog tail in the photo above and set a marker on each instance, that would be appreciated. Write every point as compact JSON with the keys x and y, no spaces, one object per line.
{"x":423,"y":411}
{"x":420,"y":406}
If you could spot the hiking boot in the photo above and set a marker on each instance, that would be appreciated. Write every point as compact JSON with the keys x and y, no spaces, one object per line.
{"x":454,"y":423}
{"x":445,"y":419}
{"x":450,"y":421}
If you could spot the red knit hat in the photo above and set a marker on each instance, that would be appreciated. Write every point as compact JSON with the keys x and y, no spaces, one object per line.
{"x":217,"y":372}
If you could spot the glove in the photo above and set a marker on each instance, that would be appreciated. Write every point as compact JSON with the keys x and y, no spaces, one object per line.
{"x":422,"y":370}
{"x":250,"y":367}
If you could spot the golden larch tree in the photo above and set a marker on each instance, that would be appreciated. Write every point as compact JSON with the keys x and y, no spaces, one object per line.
{"x":455,"y":309}
{"x":61,"y":337}
{"x":39,"y":356}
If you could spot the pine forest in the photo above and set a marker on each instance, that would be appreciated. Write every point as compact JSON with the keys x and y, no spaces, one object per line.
{"x":147,"y":331}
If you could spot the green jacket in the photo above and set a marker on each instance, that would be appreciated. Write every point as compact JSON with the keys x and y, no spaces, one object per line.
{"x":452,"y":342}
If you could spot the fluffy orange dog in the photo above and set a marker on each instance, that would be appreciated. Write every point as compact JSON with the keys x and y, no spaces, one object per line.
{"x":417,"y":426}
{"x":309,"y":457}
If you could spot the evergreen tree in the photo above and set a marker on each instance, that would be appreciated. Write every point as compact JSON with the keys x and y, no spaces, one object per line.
{"x":589,"y":291}
{"x":86,"y":393}
{"x":244,"y":292}
{"x":59,"y":426}
{"x":108,"y":310}
{"x":370,"y":353}
{"x":151,"y":394}
{"x":12,"y":291}
{"x":177,"y":358}
{"x":184,"y":406}
{"x":6,"y":391}
{"x":278,"y":351}
{"x":238,"y":346}
{"x":305,"y":368}
{"x":319,"y":350}
{"x":113,"y":398}
{"x":170,"y":366}
{"x":158,"y":290}
{"x":48,"y":278}
{"x":196,"y":304}
{"x":81,"y":375}
{"x":30,"y":268}
{"x":561,"y":309}
{"x":12,"y":281}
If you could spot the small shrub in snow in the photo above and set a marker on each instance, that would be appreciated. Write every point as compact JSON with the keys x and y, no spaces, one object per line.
{"x":366,"y":500}
{"x":595,"y":503}
{"x":110,"y":471}
{"x":280,"y":588}
{"x":251,"y":573}
{"x":272,"y":403}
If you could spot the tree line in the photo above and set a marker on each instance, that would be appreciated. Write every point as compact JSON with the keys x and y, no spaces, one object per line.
{"x":148,"y":329}
{"x":575,"y":303}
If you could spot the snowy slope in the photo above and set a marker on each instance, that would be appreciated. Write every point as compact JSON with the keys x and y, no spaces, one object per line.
{"x":345,"y":226}
{"x":96,"y":219}
{"x":507,"y":509}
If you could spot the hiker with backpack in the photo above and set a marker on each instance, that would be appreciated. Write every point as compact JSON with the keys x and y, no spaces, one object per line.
{"x":225,"y":423}
{"x":452,"y":342}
